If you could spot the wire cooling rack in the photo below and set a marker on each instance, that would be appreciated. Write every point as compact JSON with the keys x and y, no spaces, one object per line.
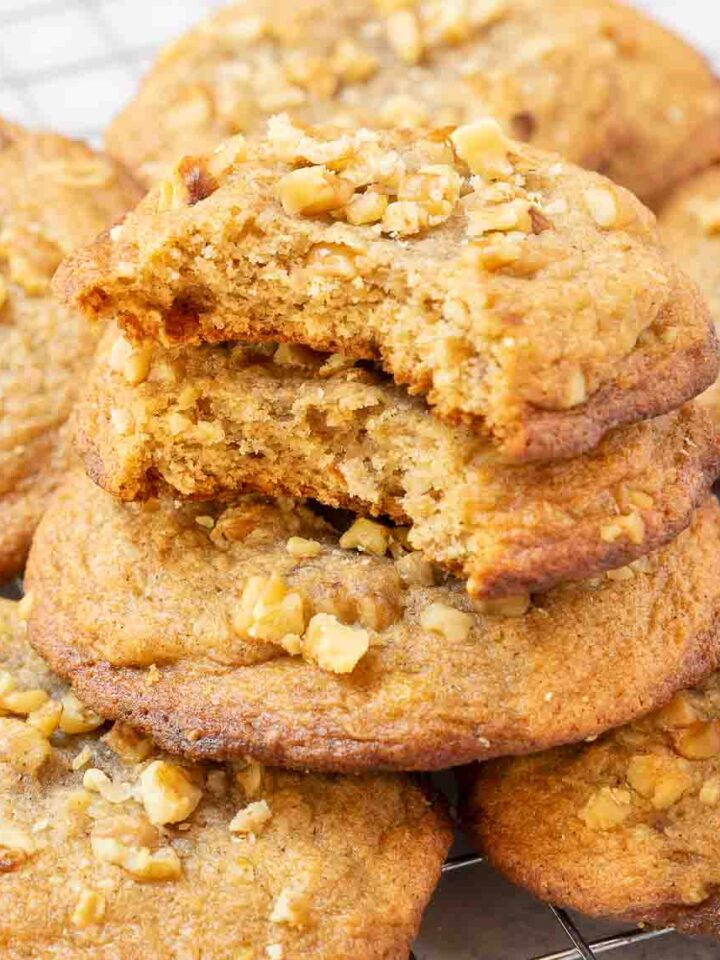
{"x":71,"y":66}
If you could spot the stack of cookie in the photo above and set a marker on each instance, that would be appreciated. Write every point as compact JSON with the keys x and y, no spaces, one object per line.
{"x":391,"y":461}
{"x":271,"y":308}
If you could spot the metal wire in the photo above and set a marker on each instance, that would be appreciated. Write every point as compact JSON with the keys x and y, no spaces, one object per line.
{"x":26,"y":85}
{"x":581,"y":949}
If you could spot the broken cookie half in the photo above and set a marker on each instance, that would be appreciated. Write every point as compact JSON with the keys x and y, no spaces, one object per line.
{"x":204,"y":422}
{"x":522,"y":296}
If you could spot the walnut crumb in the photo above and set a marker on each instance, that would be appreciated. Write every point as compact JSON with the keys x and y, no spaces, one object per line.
{"x":252,"y":818}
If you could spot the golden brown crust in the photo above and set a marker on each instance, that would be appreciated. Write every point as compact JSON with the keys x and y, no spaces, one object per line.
{"x":559,"y":319}
{"x":579,"y":78}
{"x":207,"y":422}
{"x":54,"y":194}
{"x":332,"y":867}
{"x":623,"y":827}
{"x":116,"y":609}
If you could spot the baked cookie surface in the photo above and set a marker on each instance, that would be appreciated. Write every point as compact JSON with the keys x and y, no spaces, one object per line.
{"x":627,"y":826}
{"x":54,"y":195}
{"x":690,"y":227}
{"x":521,"y":295}
{"x":204,"y":422}
{"x":579,"y":78}
{"x":110,"y":849}
{"x":250,"y":629}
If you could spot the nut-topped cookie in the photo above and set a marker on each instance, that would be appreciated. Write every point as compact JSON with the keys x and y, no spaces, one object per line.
{"x":596,"y":81}
{"x":203,"y":422}
{"x":104,"y":840}
{"x":54,"y":195}
{"x":520,"y":294}
{"x":627,"y":826}
{"x":256,"y":628}
{"x":690,"y":227}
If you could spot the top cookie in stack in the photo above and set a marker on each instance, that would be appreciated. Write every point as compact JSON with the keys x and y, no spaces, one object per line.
{"x":596,"y":81}
{"x":521,"y":295}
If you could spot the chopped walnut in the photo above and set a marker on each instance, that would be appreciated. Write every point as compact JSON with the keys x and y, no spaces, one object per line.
{"x":707,"y":213}
{"x":353,"y":62}
{"x":269,"y":611}
{"x":82,"y":759}
{"x":405,"y":36}
{"x":168,"y":793}
{"x":630,"y":525}
{"x":19,"y":701}
{"x":333,"y":260}
{"x":131,"y":843}
{"x":415,"y":571}
{"x":227,"y":155}
{"x":333,"y":645}
{"x":367,"y":537}
{"x":96,"y":781}
{"x":575,"y":389}
{"x":603,"y":206}
{"x":313,"y":190}
{"x":16,"y":847}
{"x":131,"y":360}
{"x":368,"y":207}
{"x":250,"y":779}
{"x":483,"y":146}
{"x":661,"y":780}
{"x":710,"y":792}
{"x":292,"y":905}
{"x":452,"y":624}
{"x":130,"y":745}
{"x":76,"y":717}
{"x":699,"y":741}
{"x":607,"y":808}
{"x":513,"y":216}
{"x":90,"y":909}
{"x":252,"y":818}
{"x":515,"y":605}
{"x":22,"y":746}
{"x":678,"y":713}
{"x":46,"y":718}
{"x":302,"y":549}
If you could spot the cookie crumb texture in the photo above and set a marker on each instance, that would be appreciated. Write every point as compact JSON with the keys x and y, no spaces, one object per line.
{"x":624,"y":827}
{"x":347,"y":659}
{"x":106,"y":841}
{"x":520,"y":294}
{"x":54,"y":195}
{"x":598,"y":82}
{"x":204,"y":422}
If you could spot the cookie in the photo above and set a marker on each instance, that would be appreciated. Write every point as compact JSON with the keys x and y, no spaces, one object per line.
{"x":690,"y":226}
{"x":54,"y":195}
{"x":596,"y":81}
{"x":625,"y":827}
{"x":104,"y":840}
{"x":523,"y":296}
{"x":204,"y":422}
{"x":253,"y":629}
